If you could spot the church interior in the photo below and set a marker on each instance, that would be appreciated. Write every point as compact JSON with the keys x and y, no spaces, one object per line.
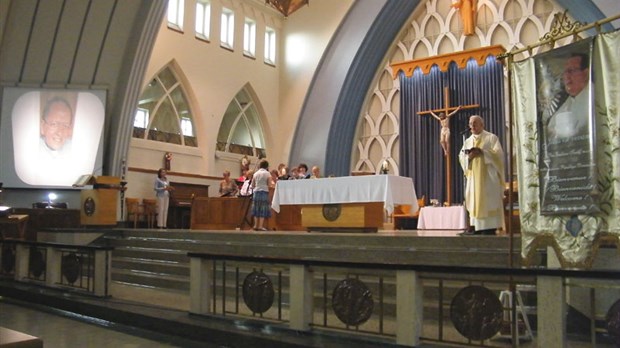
{"x":383,"y":102}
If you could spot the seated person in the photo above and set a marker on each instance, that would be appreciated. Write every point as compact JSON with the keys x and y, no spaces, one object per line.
{"x":246,"y":188}
{"x":302,"y":171}
{"x":316,"y":172}
{"x":228,"y":187}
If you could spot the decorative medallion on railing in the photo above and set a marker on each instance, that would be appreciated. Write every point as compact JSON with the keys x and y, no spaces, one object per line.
{"x":36,"y":263}
{"x":331,"y":212}
{"x":258,"y":293}
{"x":476,"y":313}
{"x":613,"y":322}
{"x":352,"y":301}
{"x":71,"y":267}
{"x":8,"y":259}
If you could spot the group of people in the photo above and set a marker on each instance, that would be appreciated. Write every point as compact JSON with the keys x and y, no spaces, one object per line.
{"x":257,"y":184}
{"x":482,"y":159}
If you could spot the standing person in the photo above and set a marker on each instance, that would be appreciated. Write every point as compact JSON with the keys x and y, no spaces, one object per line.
{"x":482,"y":159}
{"x":274,"y":178}
{"x":228,"y":187}
{"x":162,"y":191}
{"x":261,"y":208}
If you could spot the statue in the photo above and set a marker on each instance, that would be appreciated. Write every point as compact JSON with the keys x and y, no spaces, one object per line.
{"x":167,"y":160}
{"x":467,"y":8}
{"x":444,"y":136}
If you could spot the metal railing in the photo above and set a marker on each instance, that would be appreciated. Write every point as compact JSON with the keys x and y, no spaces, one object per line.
{"x":70,"y":267}
{"x":397,"y":303}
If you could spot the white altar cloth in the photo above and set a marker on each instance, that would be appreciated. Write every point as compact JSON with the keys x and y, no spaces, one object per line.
{"x":442,"y":218}
{"x":389,"y":189}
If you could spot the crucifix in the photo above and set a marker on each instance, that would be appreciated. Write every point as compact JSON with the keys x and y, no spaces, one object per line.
{"x":444,"y":138}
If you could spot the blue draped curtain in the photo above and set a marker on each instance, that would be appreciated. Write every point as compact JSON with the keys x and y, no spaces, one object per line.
{"x":421,"y":155}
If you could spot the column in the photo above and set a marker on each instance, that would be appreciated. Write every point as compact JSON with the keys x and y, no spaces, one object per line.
{"x":409,"y":308}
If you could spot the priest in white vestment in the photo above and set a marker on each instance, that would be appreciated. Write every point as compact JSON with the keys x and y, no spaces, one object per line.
{"x":482,"y":159}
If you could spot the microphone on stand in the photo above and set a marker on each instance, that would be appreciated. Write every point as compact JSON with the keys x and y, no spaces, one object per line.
{"x":465,"y":131}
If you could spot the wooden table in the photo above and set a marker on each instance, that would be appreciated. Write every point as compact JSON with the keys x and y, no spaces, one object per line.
{"x":13,"y":223}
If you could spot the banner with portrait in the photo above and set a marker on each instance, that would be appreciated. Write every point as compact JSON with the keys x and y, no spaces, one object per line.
{"x":567,"y":147}
{"x":564,"y":101}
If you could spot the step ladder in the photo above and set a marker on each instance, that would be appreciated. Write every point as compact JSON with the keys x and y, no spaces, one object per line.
{"x":505,"y":297}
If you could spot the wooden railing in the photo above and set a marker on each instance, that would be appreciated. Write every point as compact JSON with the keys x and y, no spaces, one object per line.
{"x":65,"y":266}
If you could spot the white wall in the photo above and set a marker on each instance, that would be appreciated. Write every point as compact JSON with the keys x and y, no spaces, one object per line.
{"x":215,"y":75}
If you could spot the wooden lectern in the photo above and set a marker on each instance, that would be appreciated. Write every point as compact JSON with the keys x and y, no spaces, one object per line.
{"x":98,"y":205}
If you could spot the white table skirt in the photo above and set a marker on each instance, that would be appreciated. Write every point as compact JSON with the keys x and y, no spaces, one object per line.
{"x":388,"y":189}
{"x":442,"y":218}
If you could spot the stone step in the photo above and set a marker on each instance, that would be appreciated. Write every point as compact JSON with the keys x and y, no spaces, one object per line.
{"x":369,"y":240}
{"x":151,"y":279}
{"x":164,"y":255}
{"x":150,"y":265}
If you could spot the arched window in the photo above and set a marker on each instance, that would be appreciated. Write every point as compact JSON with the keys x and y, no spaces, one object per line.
{"x":241,"y":131}
{"x":163,"y":112}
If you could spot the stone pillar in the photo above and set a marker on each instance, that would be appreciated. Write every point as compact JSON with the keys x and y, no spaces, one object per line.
{"x":301,"y":297}
{"x":200,"y":282}
{"x":103,"y":272}
{"x":409,"y":308}
{"x":551,"y":309}
{"x":53,"y":264}
{"x":22,"y":254}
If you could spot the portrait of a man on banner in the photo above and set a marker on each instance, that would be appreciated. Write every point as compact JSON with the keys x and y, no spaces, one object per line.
{"x":565,"y":117}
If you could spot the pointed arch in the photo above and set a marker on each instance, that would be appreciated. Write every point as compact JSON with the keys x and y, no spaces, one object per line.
{"x":242,"y":131}
{"x":164,"y":112}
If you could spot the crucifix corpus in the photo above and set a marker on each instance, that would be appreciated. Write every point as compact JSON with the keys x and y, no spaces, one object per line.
{"x":443,"y":116}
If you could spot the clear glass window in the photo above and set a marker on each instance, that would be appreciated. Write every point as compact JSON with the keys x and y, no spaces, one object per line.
{"x":164,"y":113}
{"x":270,"y":46}
{"x":176,"y":11}
{"x":203,"y":19}
{"x":241,"y":131}
{"x":249,"y":38}
{"x":227,"y":30}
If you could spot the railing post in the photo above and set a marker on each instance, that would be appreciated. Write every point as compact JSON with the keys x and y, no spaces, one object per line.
{"x":301,"y":298}
{"x":53,"y":266}
{"x":103,"y":272}
{"x":22,"y":255}
{"x":409,"y":307}
{"x":551,"y":309}
{"x":201,"y":280}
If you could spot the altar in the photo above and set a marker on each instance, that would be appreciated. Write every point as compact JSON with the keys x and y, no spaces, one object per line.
{"x":351,"y":202}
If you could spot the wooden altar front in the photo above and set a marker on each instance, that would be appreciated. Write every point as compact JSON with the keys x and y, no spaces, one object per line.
{"x":344,"y":203}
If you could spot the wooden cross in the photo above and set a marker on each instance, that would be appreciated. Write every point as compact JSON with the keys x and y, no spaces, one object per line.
{"x":448,"y":110}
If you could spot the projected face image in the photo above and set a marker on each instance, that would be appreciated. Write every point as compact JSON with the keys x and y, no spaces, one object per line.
{"x":57,"y":124}
{"x":52,"y":136}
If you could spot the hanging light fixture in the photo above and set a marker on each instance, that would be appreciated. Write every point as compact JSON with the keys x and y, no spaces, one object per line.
{"x":286,"y":7}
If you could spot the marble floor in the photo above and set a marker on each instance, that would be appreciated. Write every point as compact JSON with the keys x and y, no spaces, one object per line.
{"x":63,"y":329}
